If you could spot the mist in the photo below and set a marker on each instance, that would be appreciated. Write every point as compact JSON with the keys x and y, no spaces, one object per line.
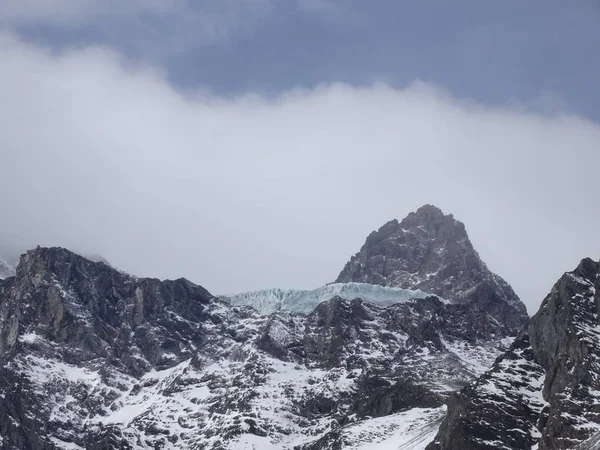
{"x":101,"y":154}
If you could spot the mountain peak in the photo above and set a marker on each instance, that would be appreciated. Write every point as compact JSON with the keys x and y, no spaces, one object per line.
{"x":431,"y":251}
{"x":432,"y":219}
{"x":78,"y":296}
{"x":587,"y":268}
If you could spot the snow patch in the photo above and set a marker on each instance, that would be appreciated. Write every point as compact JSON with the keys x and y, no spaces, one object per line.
{"x":410,"y":430}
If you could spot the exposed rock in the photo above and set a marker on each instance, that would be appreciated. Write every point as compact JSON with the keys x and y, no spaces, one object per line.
{"x":565,"y":337}
{"x":545,"y":391}
{"x":66,"y":313}
{"x":431,"y":251}
{"x":499,"y":410}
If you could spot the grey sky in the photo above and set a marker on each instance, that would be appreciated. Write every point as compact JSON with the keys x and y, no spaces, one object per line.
{"x":201,"y":157}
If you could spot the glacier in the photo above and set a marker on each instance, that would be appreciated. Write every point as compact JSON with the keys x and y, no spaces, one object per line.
{"x":269,"y":301}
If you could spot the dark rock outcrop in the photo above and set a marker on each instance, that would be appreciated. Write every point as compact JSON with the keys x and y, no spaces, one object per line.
{"x":65,"y":313}
{"x":340,"y":333}
{"x":432,"y":252}
{"x":545,"y":390}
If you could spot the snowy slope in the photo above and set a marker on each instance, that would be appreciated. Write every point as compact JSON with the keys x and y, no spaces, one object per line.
{"x":305,"y":301}
{"x":237,"y":398}
{"x":180,"y":402}
{"x":409,"y":430}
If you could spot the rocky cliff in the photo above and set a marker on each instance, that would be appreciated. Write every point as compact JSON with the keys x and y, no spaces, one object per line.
{"x":544,"y":392}
{"x":432,"y":252}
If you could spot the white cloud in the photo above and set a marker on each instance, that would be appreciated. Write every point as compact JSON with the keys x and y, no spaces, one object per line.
{"x":252,"y":192}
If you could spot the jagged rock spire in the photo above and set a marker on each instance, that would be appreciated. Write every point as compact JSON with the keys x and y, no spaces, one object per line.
{"x":431,"y":251}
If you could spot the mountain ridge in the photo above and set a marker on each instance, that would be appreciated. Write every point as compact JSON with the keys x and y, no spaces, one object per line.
{"x":92,"y":357}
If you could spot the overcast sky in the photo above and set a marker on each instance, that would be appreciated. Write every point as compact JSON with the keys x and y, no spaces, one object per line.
{"x":249,"y":144}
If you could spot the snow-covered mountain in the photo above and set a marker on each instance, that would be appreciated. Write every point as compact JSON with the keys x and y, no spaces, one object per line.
{"x":93,"y":358}
{"x":10,"y":254}
{"x":544,"y":392}
{"x":305,"y":301}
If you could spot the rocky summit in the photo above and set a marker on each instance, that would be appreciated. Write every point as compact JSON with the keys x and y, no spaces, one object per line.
{"x":417,"y":346}
{"x":432,"y":252}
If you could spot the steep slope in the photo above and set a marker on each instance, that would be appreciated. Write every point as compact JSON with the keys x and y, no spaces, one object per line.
{"x":544,"y":393}
{"x":431,"y":252}
{"x":409,"y":430}
{"x":10,"y":254}
{"x":93,"y":358}
{"x":592,"y":443}
{"x":74,"y":334}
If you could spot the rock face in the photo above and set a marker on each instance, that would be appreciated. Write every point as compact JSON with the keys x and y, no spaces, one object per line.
{"x":91,"y":357}
{"x":544,"y":392}
{"x":431,"y":251}
{"x":94,"y":358}
{"x":565,"y":338}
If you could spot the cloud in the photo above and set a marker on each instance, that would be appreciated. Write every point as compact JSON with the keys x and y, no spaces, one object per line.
{"x":72,"y":12}
{"x":102,"y":155}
